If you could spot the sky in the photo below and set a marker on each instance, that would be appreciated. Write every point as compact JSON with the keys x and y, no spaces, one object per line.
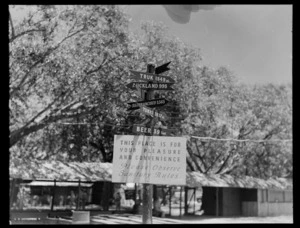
{"x":253,"y":41}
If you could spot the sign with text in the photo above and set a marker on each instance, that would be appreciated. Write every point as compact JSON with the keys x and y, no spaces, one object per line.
{"x":151,"y":103}
{"x":149,"y":159}
{"x":146,"y":85}
{"x":162,"y":68}
{"x":152,"y":113}
{"x":149,"y":130}
{"x":151,"y":77}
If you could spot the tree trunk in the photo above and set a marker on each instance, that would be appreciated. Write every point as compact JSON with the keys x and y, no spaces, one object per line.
{"x":105,"y":196}
{"x":155,"y":199}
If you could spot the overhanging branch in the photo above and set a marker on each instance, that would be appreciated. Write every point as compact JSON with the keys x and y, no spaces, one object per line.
{"x":213,"y":163}
{"x":23,"y":33}
{"x":200,"y":157}
{"x":225,"y":162}
{"x":194,"y":160}
{"x":11,"y":25}
{"x":20,"y":133}
{"x":42,"y":58}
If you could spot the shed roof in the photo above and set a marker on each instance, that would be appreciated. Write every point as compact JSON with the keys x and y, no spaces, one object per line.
{"x":59,"y":184}
{"x":97,"y":171}
{"x":50,"y":170}
{"x":196,"y":179}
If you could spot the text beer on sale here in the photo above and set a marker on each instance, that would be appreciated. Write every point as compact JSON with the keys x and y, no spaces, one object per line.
{"x":149,"y":159}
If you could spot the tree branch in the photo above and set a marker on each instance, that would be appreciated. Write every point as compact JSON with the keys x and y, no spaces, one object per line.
{"x":11,"y":25}
{"x":20,"y":133}
{"x":25,"y":32}
{"x":212,"y":164}
{"x":271,"y":133}
{"x":47,"y":53}
{"x":98,"y":68}
{"x":228,"y":171}
{"x":242,"y":135}
{"x":190,"y":164}
{"x":99,"y":146}
{"x":225,"y":162}
{"x":69,"y":36}
{"x":195,"y":162}
{"x":199,"y":156}
{"x":16,"y":88}
{"x":101,"y":65}
{"x":40,"y":113}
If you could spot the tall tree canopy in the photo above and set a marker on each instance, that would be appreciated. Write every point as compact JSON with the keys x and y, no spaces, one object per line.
{"x":63,"y":64}
{"x":69,"y":66}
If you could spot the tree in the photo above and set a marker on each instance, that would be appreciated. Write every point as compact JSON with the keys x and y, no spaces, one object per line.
{"x":209,"y":115}
{"x":100,"y":126}
{"x":58,"y":56}
{"x":269,"y":118}
{"x":71,"y":64}
{"x":66,"y":65}
{"x":233,"y":110}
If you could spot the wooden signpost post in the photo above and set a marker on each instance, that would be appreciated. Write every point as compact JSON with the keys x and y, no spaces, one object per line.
{"x":148,"y":188}
{"x":153,"y":82}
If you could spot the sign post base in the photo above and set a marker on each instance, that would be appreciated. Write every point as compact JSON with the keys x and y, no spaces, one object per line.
{"x":147,"y":203}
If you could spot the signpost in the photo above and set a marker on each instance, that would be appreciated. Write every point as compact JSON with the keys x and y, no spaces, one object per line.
{"x":148,"y":188}
{"x":162,"y":68}
{"x":148,"y":130}
{"x":145,"y":158}
{"x":151,"y":77}
{"x":152,"y":113}
{"x":146,"y":85}
{"x":151,"y":103}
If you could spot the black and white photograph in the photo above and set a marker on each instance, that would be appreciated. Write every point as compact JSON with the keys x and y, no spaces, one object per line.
{"x":150,"y":114}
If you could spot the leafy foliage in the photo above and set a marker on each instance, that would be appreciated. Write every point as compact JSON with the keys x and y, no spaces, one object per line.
{"x":69,"y":66}
{"x":63,"y":65}
{"x":242,"y":112}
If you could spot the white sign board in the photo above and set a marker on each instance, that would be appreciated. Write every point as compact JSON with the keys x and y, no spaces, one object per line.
{"x":149,"y":159}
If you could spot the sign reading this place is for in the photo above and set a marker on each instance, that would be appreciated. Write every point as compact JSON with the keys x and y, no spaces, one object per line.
{"x":149,"y":159}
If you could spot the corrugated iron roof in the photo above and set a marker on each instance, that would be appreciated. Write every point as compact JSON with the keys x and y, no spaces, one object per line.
{"x":59,"y":184}
{"x":196,"y":179}
{"x":97,"y":171}
{"x":50,"y":170}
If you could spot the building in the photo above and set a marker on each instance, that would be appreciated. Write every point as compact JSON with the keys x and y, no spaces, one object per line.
{"x":224,"y":195}
{"x":216,"y":195}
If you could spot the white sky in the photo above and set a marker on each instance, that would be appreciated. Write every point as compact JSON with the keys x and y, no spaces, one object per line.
{"x":254,"y":41}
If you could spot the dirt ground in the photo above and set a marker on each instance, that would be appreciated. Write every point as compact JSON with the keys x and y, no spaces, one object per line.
{"x":212,"y":220}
